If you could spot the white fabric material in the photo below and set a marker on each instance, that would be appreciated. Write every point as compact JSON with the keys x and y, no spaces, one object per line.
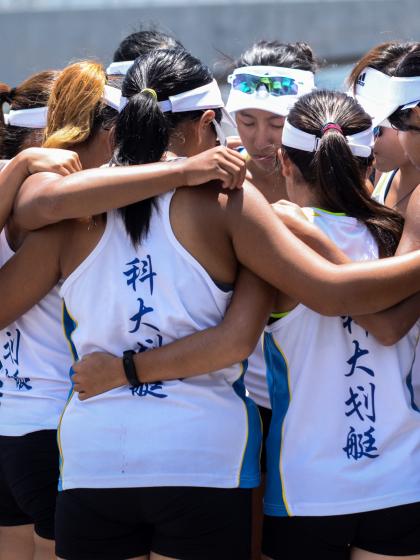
{"x":119,"y":68}
{"x":324,"y":467}
{"x":360,"y":144}
{"x":27,"y":118}
{"x":35,"y":363}
{"x":256,"y":379}
{"x":279,"y":105}
{"x":201,"y":98}
{"x":381,"y":95}
{"x":112,"y":97}
{"x":190,"y":432}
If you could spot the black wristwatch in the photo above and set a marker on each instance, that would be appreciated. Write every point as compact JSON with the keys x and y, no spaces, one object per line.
{"x":130,"y":368}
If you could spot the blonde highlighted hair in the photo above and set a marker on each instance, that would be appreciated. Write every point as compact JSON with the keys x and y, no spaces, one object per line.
{"x":74,"y":103}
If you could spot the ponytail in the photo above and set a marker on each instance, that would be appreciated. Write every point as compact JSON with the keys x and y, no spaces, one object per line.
{"x":334,"y":171}
{"x":143,"y":131}
{"x":141,"y":136}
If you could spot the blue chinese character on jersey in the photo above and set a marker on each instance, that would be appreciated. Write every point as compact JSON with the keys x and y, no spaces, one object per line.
{"x":363,"y":399}
{"x":361,"y":444}
{"x":140,"y":271}
{"x":152,"y":389}
{"x":143,"y":310}
{"x":358,"y":353}
{"x":11,"y":361}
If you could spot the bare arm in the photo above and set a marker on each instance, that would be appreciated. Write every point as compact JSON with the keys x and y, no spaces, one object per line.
{"x":210,"y":350}
{"x":47,"y":198}
{"x":388,"y":326}
{"x":24,"y":280}
{"x":265,"y":245}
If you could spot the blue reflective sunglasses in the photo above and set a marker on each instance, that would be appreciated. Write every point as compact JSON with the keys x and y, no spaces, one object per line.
{"x":274,"y":85}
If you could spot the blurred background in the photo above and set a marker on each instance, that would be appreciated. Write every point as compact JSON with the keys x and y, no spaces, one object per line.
{"x":40,"y":34}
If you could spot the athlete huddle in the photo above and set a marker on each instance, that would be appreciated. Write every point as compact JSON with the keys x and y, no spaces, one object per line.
{"x":193,"y":290}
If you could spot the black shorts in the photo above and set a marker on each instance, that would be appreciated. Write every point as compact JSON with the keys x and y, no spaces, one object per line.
{"x":29,"y":470}
{"x":266,"y":415}
{"x":390,"y":532}
{"x":179,"y":522}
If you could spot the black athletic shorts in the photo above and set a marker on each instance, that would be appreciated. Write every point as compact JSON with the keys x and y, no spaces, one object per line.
{"x":390,"y":532}
{"x":28,"y":481}
{"x":266,"y":415}
{"x":179,"y":522}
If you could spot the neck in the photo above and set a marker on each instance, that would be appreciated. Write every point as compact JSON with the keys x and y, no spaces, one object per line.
{"x":409,"y":178}
{"x":271,"y":184}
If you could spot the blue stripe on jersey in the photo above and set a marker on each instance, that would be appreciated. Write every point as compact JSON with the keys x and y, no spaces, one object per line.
{"x":249,"y":474}
{"x":275,"y":502}
{"x":69,"y":326}
{"x":409,"y":380}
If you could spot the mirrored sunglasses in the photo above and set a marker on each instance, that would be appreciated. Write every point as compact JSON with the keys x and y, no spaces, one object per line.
{"x":274,"y":85}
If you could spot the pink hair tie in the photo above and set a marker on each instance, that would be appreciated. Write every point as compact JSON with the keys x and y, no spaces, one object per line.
{"x":331,"y":126}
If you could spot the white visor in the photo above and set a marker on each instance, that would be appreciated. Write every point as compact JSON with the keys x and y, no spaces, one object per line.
{"x":198,"y":99}
{"x":27,"y":118}
{"x":112,"y":97}
{"x":262,"y":99}
{"x":119,"y":68}
{"x":360,"y":144}
{"x":381,"y":95}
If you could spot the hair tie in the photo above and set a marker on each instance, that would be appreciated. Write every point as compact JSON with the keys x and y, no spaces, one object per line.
{"x":331,"y":126}
{"x":151,"y":91}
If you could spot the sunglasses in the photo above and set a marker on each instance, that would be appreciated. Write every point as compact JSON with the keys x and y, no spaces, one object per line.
{"x":377,"y":132}
{"x":399,"y":121}
{"x":274,"y":85}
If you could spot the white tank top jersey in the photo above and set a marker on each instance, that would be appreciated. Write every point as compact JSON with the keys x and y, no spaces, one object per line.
{"x":383,"y":185}
{"x":34,"y":363}
{"x":345,"y":431}
{"x":201,"y":431}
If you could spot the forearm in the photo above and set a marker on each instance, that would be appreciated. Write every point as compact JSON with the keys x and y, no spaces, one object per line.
{"x":94,"y":191}
{"x":317,"y":240}
{"x":265,"y":245}
{"x":12,"y":176}
{"x":390,"y":325}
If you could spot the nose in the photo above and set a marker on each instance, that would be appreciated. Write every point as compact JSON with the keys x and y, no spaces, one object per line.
{"x":262,"y":141}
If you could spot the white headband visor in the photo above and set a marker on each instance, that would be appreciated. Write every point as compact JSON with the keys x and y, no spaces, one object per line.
{"x":27,"y":118}
{"x":360,"y":144}
{"x":112,"y":97}
{"x":119,"y":68}
{"x":381,"y":95}
{"x":262,"y":99}
{"x":201,"y":98}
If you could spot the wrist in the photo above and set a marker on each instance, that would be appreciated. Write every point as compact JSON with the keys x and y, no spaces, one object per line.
{"x":182,"y":172}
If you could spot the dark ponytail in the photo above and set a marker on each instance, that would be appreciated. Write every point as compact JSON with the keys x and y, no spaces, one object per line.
{"x":142,"y":132}
{"x":334,"y":171}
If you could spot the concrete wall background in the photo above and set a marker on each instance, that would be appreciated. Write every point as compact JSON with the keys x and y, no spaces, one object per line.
{"x":337,"y":30}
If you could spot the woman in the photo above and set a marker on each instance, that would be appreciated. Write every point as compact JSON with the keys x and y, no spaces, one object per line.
{"x":34,"y":393}
{"x":399,"y":176}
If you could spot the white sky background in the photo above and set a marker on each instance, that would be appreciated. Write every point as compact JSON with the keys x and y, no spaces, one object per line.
{"x":17,"y":5}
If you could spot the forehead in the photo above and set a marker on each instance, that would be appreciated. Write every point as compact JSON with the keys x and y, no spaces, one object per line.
{"x":259,"y":114}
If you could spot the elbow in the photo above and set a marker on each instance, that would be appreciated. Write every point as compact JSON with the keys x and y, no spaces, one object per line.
{"x":388,"y":336}
{"x":242,"y":347}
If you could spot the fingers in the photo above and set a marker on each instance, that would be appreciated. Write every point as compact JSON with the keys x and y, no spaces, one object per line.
{"x":231,"y":162}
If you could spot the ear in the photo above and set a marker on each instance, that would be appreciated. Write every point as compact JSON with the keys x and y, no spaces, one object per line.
{"x":205,"y":124}
{"x":286,"y":164}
